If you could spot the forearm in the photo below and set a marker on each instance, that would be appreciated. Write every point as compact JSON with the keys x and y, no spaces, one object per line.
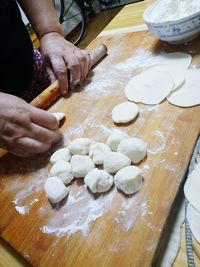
{"x":42,"y":16}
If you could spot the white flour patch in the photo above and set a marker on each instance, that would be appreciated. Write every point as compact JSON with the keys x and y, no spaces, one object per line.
{"x":160,"y":143}
{"x":79,"y":211}
{"x":24,"y":198}
{"x":129,"y":211}
{"x":149,"y":108}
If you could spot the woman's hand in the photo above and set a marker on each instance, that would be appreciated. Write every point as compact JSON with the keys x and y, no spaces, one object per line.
{"x":64,"y":61}
{"x":24,"y":129}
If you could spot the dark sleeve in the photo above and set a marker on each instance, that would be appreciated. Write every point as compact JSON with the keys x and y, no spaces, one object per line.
{"x":16,"y":51}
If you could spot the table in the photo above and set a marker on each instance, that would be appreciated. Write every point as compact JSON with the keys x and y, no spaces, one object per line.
{"x":128,"y":26}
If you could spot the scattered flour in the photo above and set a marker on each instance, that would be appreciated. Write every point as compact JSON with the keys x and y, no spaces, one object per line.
{"x":78,"y":212}
{"x":160,"y":143}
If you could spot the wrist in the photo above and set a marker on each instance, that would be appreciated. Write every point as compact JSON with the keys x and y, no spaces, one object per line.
{"x":50,"y":32}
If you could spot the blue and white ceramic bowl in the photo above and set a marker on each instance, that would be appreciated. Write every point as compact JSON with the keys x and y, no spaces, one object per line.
{"x":176,"y":31}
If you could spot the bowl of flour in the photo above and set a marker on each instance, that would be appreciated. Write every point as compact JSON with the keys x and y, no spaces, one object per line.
{"x":174,"y":21}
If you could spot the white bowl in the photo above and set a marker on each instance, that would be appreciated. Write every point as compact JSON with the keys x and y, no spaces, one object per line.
{"x":176,"y":31}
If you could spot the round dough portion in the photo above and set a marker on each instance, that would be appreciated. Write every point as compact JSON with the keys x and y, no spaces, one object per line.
{"x":98,"y":181}
{"x":134,"y":148}
{"x":124,"y":112}
{"x":188,"y":94}
{"x":115,"y":138}
{"x":191,"y":187}
{"x":80,"y":146}
{"x":193,"y":217}
{"x":61,"y":154}
{"x":55,"y":190}
{"x":129,"y":179}
{"x":115,"y":161}
{"x":81,"y":165}
{"x":63,"y":170}
{"x":147,"y":89}
{"x":97,"y":152}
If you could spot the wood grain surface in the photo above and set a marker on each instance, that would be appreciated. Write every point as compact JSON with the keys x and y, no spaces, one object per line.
{"x":110,"y":229}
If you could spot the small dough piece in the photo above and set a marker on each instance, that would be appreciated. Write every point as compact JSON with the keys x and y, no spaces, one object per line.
{"x":59,"y":116}
{"x":97,"y":152}
{"x":98,"y":181}
{"x":63,"y":170}
{"x":191,"y":187}
{"x":193,"y":217}
{"x":115,"y":138}
{"x":178,"y":74}
{"x":188,"y":94}
{"x":61,"y":154}
{"x":80,"y":146}
{"x":81,"y":165}
{"x":115,"y":161}
{"x":124,"y":112}
{"x":55,"y":189}
{"x":129,"y":179}
{"x":147,"y":89}
{"x":178,"y":59}
{"x":134,"y":148}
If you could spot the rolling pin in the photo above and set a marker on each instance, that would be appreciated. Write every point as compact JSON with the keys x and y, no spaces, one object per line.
{"x":51,"y":93}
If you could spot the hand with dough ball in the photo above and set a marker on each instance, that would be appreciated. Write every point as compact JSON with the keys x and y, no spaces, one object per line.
{"x":25,"y":130}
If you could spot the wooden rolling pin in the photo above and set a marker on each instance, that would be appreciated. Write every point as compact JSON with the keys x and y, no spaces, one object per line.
{"x":51,"y":93}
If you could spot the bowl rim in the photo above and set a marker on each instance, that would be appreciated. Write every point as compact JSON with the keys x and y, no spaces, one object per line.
{"x":169,"y":22}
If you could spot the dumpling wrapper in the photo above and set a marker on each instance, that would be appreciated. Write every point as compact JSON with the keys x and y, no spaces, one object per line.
{"x":177,"y":74}
{"x":149,"y":87}
{"x":192,"y":186}
{"x":188,"y":94}
{"x":178,"y":59}
{"x":193,"y":217}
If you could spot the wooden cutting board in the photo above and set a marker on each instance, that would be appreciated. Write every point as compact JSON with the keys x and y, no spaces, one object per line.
{"x":109,"y":229}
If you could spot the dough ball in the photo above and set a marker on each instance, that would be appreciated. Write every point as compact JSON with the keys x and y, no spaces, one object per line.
{"x":129,"y":179}
{"x":124,"y":112}
{"x":115,"y":161}
{"x":98,"y":181}
{"x":115,"y":138}
{"x":98,"y":151}
{"x":59,"y":116}
{"x":134,"y":148}
{"x":55,"y":189}
{"x":80,"y":146}
{"x":63,"y":170}
{"x":147,"y":89}
{"x":81,"y":165}
{"x":61,"y":154}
